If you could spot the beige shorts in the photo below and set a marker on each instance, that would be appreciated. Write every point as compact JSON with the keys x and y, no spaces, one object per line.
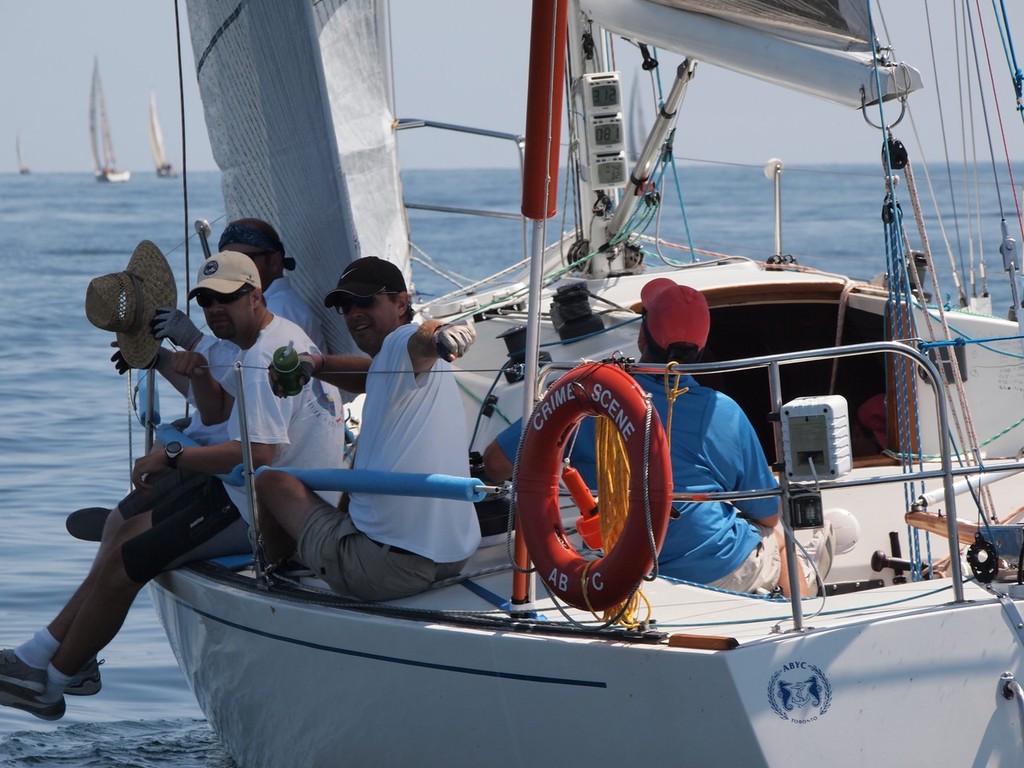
{"x":760,"y":571}
{"x":354,"y":565}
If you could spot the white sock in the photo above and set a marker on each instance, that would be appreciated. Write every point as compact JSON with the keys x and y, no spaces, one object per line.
{"x":56,"y":682}
{"x":38,"y":651}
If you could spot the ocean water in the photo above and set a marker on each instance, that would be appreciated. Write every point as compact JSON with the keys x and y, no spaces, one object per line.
{"x":66,"y":432}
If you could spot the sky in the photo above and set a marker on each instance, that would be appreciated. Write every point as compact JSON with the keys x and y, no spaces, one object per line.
{"x":47,"y":51}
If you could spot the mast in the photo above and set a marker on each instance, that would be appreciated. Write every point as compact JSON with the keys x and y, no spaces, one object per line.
{"x":548,"y":36}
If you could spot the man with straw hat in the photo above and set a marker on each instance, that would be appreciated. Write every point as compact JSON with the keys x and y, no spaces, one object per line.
{"x":179,"y":510}
{"x":258,"y":240}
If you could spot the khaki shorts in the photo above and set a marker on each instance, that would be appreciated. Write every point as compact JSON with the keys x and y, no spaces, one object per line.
{"x":760,"y":571}
{"x":354,"y":565}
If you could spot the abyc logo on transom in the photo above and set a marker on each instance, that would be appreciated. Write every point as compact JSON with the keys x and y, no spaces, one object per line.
{"x":799,"y":692}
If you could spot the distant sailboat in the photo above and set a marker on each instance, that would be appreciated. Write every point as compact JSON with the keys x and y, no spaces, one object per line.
{"x":104,"y":164}
{"x":22,"y":167}
{"x":156,"y":140}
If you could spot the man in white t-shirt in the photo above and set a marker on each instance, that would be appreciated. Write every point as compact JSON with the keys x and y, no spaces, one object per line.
{"x":258,"y":240}
{"x":179,"y":506}
{"x":379,"y":546}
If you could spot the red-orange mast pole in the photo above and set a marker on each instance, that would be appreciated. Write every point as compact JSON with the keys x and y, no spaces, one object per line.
{"x":540,"y":183}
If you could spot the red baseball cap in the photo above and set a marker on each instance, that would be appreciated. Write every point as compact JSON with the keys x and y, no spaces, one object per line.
{"x":675,"y":313}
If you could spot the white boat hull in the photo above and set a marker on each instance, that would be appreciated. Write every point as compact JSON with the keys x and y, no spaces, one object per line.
{"x":419,"y":691}
{"x":113,"y":177}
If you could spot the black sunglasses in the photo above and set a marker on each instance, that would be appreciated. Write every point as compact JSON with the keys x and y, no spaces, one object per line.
{"x":345,"y":303}
{"x":205,"y":299}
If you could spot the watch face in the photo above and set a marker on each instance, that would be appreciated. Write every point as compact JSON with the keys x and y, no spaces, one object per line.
{"x":173,"y":449}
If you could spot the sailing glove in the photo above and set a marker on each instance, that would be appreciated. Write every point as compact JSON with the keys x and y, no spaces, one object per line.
{"x":173,"y":324}
{"x":122,"y":365}
{"x":453,"y":340}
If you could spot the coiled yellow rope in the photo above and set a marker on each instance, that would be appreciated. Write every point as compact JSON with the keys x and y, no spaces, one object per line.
{"x":613,"y":492}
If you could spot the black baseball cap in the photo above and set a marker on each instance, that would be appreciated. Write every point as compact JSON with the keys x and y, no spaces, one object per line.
{"x":365,"y":277}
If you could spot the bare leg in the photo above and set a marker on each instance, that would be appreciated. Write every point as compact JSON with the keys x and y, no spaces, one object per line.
{"x":110,"y":539}
{"x":103,"y":601}
{"x":784,"y":573}
{"x":284,"y":505}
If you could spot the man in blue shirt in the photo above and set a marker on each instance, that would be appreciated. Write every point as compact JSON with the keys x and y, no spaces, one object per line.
{"x":714,"y":448}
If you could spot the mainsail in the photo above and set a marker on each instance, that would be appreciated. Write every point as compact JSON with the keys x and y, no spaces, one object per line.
{"x":22,"y":166}
{"x":156,"y":141}
{"x":821,"y":48}
{"x":294,"y":131}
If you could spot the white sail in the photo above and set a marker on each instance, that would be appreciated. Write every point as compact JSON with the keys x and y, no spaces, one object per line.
{"x":156,"y":141}
{"x":22,"y":165}
{"x":103,"y":160}
{"x":825,"y":55}
{"x":292,"y":136}
{"x":95,"y":98}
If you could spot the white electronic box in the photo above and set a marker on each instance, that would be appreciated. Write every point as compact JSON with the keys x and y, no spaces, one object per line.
{"x":816,"y":438}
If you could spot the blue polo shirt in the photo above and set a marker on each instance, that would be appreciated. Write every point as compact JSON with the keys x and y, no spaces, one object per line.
{"x":713,"y":448}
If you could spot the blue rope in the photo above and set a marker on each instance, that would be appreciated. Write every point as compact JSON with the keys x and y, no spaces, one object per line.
{"x":1011,"y":57}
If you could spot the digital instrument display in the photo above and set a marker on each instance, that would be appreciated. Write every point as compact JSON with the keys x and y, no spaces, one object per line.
{"x":607,"y":132}
{"x":602,"y":93}
{"x":610,"y":170}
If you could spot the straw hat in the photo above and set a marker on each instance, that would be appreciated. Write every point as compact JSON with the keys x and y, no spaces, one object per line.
{"x":124,"y":302}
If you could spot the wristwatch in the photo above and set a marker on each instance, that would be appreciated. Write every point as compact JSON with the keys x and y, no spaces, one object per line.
{"x":172,"y":451}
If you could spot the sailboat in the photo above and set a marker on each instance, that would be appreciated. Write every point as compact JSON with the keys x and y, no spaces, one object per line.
{"x":156,"y":141}
{"x":23,"y":168}
{"x":913,"y":652}
{"x":103,"y":161}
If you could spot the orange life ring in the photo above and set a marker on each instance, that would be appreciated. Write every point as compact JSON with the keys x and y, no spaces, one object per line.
{"x":594,"y":389}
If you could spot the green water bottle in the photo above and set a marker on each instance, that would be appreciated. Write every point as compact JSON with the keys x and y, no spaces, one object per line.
{"x":286,"y":363}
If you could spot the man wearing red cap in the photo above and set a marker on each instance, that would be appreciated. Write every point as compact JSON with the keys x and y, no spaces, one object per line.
{"x":714,"y":448}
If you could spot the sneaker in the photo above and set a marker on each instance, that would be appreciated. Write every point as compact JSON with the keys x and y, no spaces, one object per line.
{"x":820,"y":552}
{"x":21,"y":687}
{"x":21,"y":699}
{"x":15,"y":673}
{"x":87,"y":682}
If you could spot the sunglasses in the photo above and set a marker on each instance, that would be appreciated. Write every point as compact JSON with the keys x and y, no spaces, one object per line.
{"x":345,"y":303}
{"x":205,"y":299}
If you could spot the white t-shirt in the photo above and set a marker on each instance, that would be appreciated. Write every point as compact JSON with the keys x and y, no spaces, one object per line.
{"x":414,"y":424}
{"x":284,"y":301}
{"x":307,"y":430}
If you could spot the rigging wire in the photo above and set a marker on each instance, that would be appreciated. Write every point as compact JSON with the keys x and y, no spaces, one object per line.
{"x":184,"y":152}
{"x":999,"y":120}
{"x":945,"y":148}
